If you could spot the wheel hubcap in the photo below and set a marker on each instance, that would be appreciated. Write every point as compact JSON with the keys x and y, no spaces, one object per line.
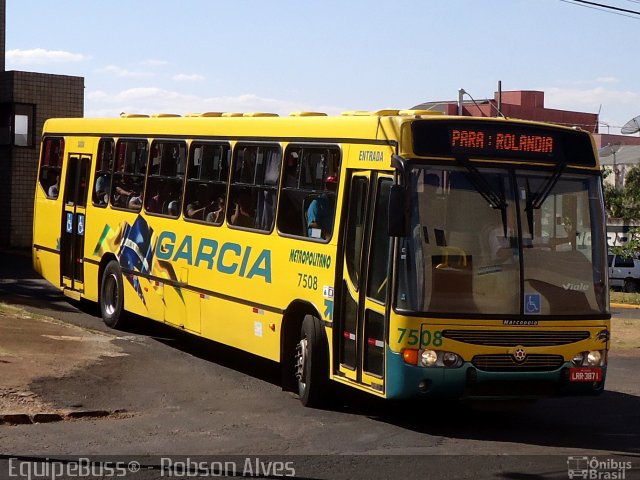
{"x":300,"y":361}
{"x":110,"y":294}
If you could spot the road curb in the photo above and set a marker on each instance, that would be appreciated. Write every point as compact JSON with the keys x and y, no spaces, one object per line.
{"x":88,"y":414}
{"x":47,"y":417}
{"x":629,"y":306}
{"x":29,"y":419}
{"x":16,"y":419}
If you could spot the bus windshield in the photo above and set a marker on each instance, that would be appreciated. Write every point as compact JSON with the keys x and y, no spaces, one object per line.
{"x":498,"y":241}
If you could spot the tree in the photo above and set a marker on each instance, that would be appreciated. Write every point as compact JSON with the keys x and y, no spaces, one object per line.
{"x":632,"y":247}
{"x":631,"y":199}
{"x":612,"y":197}
{"x":623,"y":202}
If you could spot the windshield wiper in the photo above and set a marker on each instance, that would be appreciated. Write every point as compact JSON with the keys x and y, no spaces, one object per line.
{"x":494,"y":199}
{"x":535,"y":201}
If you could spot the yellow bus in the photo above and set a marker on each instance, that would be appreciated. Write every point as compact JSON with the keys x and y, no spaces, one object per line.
{"x":401,"y":253}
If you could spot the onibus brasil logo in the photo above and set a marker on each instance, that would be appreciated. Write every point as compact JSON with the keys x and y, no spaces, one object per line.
{"x":595,"y":468}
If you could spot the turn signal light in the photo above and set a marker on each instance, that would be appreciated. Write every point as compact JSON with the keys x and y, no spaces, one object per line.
{"x":410,"y":356}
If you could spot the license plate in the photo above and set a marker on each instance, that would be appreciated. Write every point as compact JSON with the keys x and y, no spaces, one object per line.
{"x":585,"y":374}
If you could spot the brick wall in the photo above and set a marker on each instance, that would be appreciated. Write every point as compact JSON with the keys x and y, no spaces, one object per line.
{"x":53,"y":96}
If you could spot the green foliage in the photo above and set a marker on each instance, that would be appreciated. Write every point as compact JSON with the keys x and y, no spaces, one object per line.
{"x":613,"y":201}
{"x":631,"y":248}
{"x":623,"y":202}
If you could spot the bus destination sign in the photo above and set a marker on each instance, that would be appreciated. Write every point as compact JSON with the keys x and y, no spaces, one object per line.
{"x":478,"y":140}
{"x":502,"y":140}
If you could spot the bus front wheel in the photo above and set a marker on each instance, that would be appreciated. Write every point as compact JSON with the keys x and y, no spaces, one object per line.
{"x":112,"y":295}
{"x":311,"y":363}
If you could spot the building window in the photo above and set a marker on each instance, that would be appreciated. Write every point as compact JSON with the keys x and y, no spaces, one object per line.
{"x":23,"y":119}
{"x":16,"y":124}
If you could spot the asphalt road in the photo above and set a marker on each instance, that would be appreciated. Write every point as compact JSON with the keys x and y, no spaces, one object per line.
{"x":186,"y":397}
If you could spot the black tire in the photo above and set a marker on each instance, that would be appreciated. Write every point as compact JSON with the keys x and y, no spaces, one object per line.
{"x":112,"y":296}
{"x":631,"y":286}
{"x":311,"y":364}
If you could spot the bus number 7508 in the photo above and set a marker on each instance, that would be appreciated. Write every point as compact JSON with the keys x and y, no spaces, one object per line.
{"x":426,"y":338}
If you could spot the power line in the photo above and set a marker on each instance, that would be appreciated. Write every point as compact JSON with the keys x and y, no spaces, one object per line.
{"x":602,"y":6}
{"x":570,"y":2}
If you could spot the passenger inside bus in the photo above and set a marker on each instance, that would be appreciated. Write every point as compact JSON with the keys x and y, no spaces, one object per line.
{"x":122,"y":197}
{"x":292,"y":170}
{"x":172,"y":209}
{"x":195,"y":210}
{"x":241,"y":215}
{"x":217,"y":215}
{"x":102,"y":189}
{"x":54,"y":189}
{"x":321,"y":209}
{"x":154,"y":202}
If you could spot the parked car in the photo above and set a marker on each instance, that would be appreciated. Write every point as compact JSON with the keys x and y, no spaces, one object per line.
{"x":624,"y":273}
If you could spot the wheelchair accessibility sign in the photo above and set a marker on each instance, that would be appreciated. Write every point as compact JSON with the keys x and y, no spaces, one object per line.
{"x":532,"y":303}
{"x":69,"y":228}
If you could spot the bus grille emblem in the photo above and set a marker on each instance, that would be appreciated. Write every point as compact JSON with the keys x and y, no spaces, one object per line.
{"x":519,"y":355}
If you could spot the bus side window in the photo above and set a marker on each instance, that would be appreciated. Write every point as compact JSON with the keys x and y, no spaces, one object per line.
{"x":51,"y":166}
{"x":128,"y":178}
{"x":254,"y":186}
{"x":166,"y":174}
{"x":206,"y":190}
{"x":308,"y":192}
{"x":104,"y":169}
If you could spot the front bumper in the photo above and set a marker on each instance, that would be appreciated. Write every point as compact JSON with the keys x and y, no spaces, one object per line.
{"x":406,"y":381}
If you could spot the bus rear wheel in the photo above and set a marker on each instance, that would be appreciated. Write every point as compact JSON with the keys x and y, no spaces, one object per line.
{"x":311,"y":363}
{"x":112,"y":296}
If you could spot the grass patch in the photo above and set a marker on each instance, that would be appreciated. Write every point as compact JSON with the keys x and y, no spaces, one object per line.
{"x":13,"y":311}
{"x":627,"y":298}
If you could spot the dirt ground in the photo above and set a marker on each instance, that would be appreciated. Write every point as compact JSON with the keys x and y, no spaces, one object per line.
{"x":625,"y":336}
{"x":33,"y":346}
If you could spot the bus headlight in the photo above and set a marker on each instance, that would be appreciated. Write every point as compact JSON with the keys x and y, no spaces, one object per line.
{"x":594,"y":357}
{"x":577,"y":359}
{"x":450,"y":359}
{"x":431,"y":358}
{"x":428,"y":358}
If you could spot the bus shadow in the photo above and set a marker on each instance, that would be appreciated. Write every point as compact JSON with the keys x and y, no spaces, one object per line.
{"x":33,"y":293}
{"x":21,"y":285}
{"x":610,"y":422}
{"x":205,"y":349}
{"x":16,"y":265}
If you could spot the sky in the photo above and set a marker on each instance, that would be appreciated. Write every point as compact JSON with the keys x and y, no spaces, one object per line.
{"x":281,"y":56}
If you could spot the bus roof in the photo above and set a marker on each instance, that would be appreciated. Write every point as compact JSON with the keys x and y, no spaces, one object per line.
{"x":382,"y":127}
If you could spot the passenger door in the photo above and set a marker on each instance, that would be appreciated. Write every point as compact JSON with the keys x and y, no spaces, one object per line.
{"x":361,"y":325}
{"x":73,"y":222}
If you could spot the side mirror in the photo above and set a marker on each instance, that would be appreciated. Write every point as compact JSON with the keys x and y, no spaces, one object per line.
{"x":397,"y":213}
